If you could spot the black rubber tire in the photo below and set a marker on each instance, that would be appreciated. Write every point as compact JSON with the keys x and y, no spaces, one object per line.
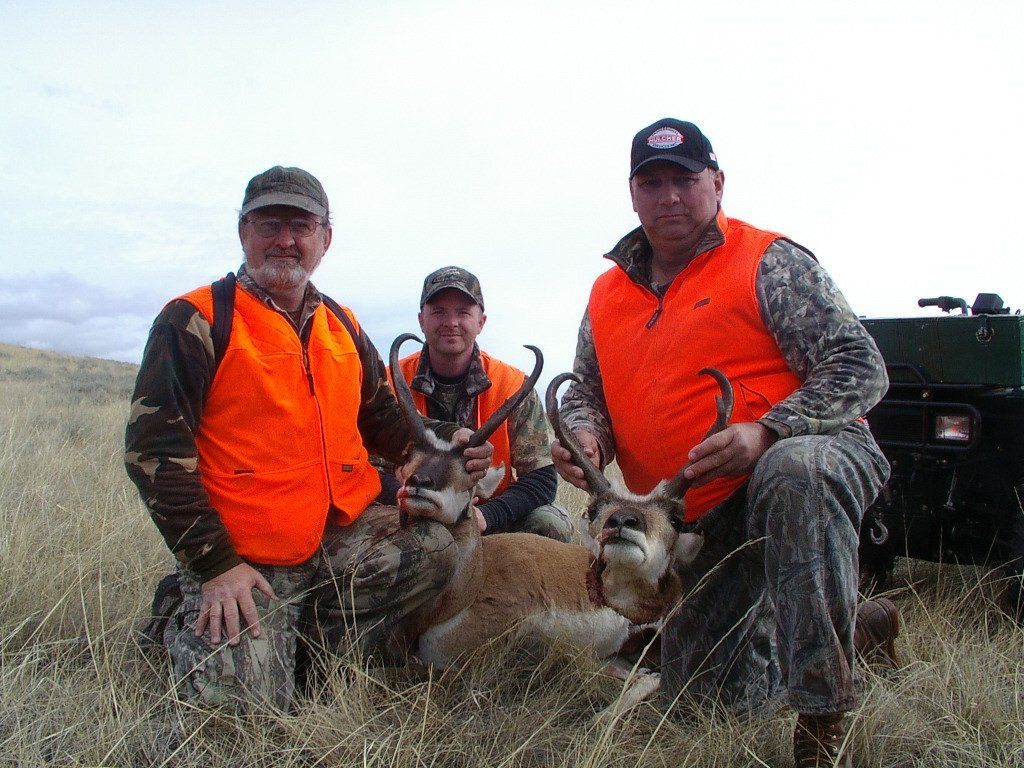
{"x":1013,"y":571}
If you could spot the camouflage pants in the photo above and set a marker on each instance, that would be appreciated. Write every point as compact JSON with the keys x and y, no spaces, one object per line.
{"x":771,"y":598}
{"x":356,"y":589}
{"x":550,"y":520}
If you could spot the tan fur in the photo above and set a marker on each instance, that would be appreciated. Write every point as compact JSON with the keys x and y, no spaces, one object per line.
{"x":530,"y":585}
{"x":527,"y":584}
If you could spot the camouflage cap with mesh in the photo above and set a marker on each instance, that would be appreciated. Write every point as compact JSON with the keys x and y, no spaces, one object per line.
{"x":451,"y":277}
{"x":286,"y":186}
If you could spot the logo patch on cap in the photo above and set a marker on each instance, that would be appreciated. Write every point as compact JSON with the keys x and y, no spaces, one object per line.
{"x":665,"y":138}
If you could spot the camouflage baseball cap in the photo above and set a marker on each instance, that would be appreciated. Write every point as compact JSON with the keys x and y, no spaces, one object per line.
{"x":285,"y":186}
{"x":451,"y":277}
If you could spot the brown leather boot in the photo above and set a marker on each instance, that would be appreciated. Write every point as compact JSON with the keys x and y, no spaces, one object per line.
{"x":877,"y":627}
{"x":820,"y":741}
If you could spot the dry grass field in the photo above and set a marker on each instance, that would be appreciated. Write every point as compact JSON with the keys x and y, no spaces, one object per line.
{"x":79,"y":558}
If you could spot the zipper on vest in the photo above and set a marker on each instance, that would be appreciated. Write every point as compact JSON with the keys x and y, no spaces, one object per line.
{"x":309,"y":372}
{"x":320,"y":419}
{"x":656,"y":315}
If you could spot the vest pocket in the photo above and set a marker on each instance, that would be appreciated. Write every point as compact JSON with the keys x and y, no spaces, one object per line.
{"x":750,"y":404}
{"x":354,"y":484}
{"x":272,"y":517}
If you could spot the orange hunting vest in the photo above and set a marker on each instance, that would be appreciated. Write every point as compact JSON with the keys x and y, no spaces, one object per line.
{"x":278,"y":442}
{"x":505,"y":382}
{"x":660,"y":407}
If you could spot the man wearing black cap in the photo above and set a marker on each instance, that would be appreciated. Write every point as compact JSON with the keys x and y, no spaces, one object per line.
{"x":250,"y":452}
{"x":771,"y":608}
{"x":454,"y":380}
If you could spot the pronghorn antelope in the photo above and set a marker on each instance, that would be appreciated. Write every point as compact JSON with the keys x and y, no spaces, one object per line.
{"x":619,"y":519}
{"x":640,"y":541}
{"x":526,"y":583}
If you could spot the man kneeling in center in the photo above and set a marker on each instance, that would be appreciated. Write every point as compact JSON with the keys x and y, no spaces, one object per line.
{"x":453,"y":379}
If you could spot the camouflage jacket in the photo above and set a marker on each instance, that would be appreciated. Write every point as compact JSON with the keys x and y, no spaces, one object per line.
{"x":536,"y":481}
{"x":167,"y":407}
{"x":819,"y":336}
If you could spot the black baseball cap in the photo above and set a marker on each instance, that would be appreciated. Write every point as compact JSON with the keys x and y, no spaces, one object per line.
{"x":673,"y":140}
{"x":285,"y":186}
{"x":451,"y":277}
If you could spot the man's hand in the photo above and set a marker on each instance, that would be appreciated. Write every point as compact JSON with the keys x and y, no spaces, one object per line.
{"x":481,"y":521}
{"x":227,"y":596}
{"x":733,"y":451}
{"x":477,"y":459}
{"x":563,"y":461}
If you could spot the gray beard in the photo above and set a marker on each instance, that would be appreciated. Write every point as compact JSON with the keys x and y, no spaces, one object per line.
{"x":278,"y":275}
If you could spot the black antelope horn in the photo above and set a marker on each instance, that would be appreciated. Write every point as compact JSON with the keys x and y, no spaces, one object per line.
{"x":412,"y":416}
{"x":487,"y":428}
{"x":597,"y":482}
{"x":679,"y":484}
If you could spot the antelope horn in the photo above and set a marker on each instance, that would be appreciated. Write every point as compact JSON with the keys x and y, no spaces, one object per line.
{"x":597,"y":482}
{"x":679,"y":484}
{"x":412,"y":416}
{"x":500,"y":414}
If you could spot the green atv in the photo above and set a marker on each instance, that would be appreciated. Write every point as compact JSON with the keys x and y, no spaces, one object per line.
{"x":952,"y":426}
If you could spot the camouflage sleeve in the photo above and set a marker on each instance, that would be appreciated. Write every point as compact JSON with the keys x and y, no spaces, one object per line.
{"x":822,"y":341}
{"x":583,"y":406}
{"x":160,"y":447}
{"x":381,"y":421}
{"x":528,"y":436}
{"x":528,"y":492}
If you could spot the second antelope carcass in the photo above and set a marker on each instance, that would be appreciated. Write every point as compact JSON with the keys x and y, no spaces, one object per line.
{"x":527,"y":584}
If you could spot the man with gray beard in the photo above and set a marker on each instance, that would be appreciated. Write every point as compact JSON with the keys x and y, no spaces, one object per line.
{"x":252,"y":457}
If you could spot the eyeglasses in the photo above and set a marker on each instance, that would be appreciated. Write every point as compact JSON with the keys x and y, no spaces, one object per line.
{"x":272,"y":227}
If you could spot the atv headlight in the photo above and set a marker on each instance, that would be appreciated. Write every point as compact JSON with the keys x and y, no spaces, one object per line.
{"x":954,"y":427}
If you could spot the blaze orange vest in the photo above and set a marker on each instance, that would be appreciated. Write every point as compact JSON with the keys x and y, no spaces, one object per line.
{"x":505,"y":382}
{"x":278,"y":442}
{"x":659,"y":406}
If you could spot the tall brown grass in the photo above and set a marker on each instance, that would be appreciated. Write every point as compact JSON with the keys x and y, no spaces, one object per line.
{"x":79,"y":558}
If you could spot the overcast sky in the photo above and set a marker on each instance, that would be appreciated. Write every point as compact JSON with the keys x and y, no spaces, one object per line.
{"x":884,"y":136}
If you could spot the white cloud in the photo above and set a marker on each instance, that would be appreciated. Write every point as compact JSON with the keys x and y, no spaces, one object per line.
{"x":63,"y":313}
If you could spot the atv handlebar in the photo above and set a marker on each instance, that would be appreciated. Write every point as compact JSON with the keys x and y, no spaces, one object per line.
{"x":945,"y":303}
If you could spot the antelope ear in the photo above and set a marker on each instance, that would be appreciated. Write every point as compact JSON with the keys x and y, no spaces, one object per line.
{"x":489,"y":483}
{"x":686,"y":548}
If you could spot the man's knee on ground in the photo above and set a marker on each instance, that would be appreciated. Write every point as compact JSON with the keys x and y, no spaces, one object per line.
{"x":551,"y":521}
{"x":256,"y":673}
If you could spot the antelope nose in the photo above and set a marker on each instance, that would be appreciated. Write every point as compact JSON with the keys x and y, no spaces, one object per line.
{"x":624,"y":519}
{"x":420,"y":481}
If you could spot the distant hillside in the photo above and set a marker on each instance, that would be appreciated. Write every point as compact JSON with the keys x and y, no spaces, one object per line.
{"x":89,"y":378}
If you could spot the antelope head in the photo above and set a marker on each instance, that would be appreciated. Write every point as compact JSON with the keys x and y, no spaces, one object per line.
{"x":638,"y":538}
{"x":437,"y":485}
